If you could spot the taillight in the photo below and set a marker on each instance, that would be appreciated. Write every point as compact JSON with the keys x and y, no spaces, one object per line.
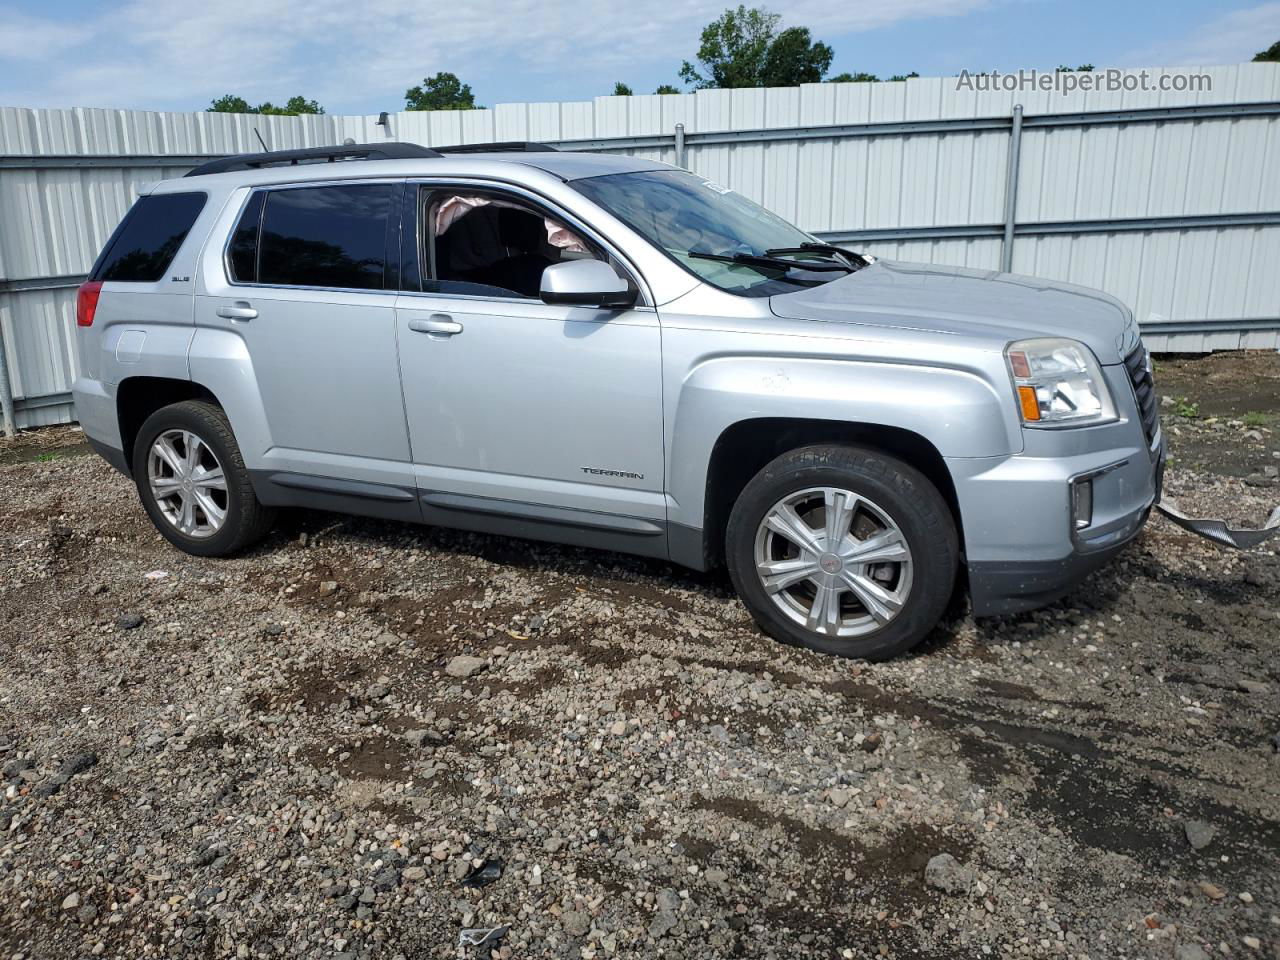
{"x":87,"y":302}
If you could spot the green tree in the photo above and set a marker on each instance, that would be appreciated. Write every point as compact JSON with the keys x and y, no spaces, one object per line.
{"x":444,"y":91}
{"x":1269,"y":55}
{"x":666,"y":88}
{"x":794,"y":58}
{"x":1083,"y":68}
{"x":292,"y":107}
{"x":904,"y":76}
{"x":621,"y":89}
{"x":744,"y":48}
{"x":854,"y":78}
{"x":230,"y":103}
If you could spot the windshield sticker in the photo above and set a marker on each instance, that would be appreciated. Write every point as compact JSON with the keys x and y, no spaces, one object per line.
{"x":712,"y":185}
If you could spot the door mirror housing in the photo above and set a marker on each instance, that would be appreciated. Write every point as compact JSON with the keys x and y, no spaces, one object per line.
{"x":586,"y":283}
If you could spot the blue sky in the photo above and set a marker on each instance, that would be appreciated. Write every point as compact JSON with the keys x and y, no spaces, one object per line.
{"x":359,"y":57}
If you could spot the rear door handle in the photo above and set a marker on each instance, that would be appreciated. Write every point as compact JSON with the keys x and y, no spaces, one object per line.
{"x":439,"y":324}
{"x":240,"y":310}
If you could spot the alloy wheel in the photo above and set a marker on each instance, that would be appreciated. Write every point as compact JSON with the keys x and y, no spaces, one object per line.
{"x":188,"y":483}
{"x":833,"y":561}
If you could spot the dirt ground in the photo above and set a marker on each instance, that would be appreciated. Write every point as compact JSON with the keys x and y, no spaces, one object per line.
{"x":361,"y":738}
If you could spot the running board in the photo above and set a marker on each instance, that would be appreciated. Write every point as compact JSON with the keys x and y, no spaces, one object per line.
{"x":1218,"y":531}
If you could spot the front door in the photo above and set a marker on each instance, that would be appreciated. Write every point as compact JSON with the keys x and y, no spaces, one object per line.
{"x":526,"y":417}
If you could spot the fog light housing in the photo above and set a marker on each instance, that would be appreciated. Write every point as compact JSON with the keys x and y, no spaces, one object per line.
{"x":1082,"y":502}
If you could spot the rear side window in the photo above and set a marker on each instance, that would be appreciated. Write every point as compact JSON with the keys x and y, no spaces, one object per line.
{"x":324,"y":236}
{"x":146,"y":242}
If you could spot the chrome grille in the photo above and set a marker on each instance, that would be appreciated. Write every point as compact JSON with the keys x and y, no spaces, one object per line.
{"x":1138,"y":364}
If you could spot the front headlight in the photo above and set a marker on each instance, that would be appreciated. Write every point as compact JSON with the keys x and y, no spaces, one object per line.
{"x":1059,"y":383}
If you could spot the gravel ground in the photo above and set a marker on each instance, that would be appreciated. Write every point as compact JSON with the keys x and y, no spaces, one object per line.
{"x":362,"y":738}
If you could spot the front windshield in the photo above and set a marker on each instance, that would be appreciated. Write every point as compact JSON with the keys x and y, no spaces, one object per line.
{"x":685,"y":215}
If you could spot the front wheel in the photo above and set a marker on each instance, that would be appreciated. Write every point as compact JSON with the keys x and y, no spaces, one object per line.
{"x":193,"y":482}
{"x":843,"y":550}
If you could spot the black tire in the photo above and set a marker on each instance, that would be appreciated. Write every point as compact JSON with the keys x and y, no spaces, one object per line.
{"x":247,"y":520}
{"x":901,"y":491}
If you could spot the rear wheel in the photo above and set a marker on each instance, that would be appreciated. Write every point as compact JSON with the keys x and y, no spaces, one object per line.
{"x":193,"y":482}
{"x":844,"y":550}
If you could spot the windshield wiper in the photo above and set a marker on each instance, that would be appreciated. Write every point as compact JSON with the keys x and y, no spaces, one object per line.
{"x":757,"y":260}
{"x":820,"y":248}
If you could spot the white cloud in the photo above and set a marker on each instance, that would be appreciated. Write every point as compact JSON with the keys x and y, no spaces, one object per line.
{"x":1232,"y":38}
{"x":153,"y":53}
{"x":23,"y":37}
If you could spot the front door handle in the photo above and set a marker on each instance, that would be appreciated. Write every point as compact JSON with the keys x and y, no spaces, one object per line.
{"x":439,"y":324}
{"x":240,"y":310}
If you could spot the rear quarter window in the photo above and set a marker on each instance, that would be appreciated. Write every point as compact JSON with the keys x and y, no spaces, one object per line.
{"x":148,"y":239}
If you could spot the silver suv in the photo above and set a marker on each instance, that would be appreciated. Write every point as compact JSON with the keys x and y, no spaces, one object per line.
{"x":612,"y":352}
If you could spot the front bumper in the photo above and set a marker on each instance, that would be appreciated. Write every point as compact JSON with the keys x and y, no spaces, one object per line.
{"x":1000,"y":587}
{"x":1022,"y":547}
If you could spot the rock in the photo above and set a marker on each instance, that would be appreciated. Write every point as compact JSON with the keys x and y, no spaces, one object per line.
{"x":71,"y":901}
{"x":78,"y":764}
{"x":328,"y":588}
{"x":386,"y":880}
{"x":414,"y":873}
{"x":718,"y":732}
{"x":87,"y":914}
{"x":1275,"y":743}
{"x":576,"y":923}
{"x":618,"y":729}
{"x":552,"y":844}
{"x":130,"y":621}
{"x":463,"y":666}
{"x":1257,"y":687}
{"x":872,"y":741}
{"x":14,"y":768}
{"x":715,"y":876}
{"x":1253,"y":943}
{"x":1199,"y":834}
{"x":668,"y":914}
{"x":839,"y":796}
{"x":947,"y":874}
{"x":423,"y":739}
{"x":1189,"y":951}
{"x":1211,"y":891}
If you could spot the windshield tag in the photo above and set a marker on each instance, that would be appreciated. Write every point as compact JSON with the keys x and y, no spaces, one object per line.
{"x":712,"y":185}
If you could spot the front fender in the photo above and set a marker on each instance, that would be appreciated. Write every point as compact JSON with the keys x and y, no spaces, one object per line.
{"x":956,"y":410}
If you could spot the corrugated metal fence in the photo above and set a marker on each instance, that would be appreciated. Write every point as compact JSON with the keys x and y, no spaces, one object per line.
{"x":1170,"y":201}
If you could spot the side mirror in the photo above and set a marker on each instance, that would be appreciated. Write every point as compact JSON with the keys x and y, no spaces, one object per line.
{"x":586,"y":283}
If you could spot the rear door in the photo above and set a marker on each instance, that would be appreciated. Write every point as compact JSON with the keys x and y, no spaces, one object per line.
{"x":307,"y":293}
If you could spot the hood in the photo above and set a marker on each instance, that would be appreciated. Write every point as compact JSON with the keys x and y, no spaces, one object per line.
{"x":960,"y":301}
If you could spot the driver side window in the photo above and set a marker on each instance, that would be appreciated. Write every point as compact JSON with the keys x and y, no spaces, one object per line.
{"x":477,"y":243}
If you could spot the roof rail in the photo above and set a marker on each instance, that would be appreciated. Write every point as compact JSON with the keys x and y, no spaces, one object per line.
{"x":275,"y":158}
{"x":505,"y":146}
